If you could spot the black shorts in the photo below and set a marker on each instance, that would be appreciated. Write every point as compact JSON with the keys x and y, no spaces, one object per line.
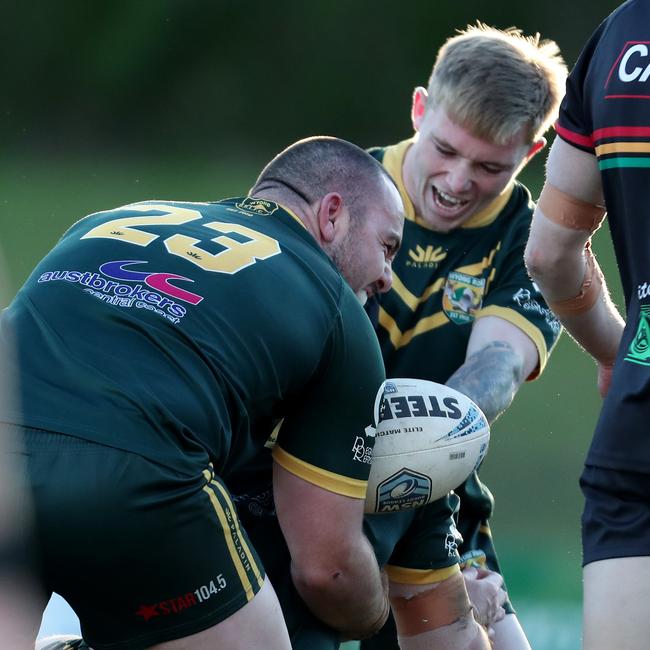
{"x":142,"y":553}
{"x":616,"y":516}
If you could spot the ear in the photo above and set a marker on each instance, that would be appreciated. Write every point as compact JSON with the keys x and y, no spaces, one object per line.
{"x":330,"y":213}
{"x":535,"y":148}
{"x":418,"y":107}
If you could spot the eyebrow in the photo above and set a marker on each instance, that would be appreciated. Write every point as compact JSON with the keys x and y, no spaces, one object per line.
{"x":446,"y":145}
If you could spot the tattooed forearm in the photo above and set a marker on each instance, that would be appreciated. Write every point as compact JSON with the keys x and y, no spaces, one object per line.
{"x":490,"y":377}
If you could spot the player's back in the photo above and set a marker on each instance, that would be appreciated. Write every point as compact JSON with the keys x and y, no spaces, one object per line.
{"x":163,"y":324}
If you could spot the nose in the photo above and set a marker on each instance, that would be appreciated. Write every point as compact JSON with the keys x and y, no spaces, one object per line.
{"x":385,"y":281}
{"x":459,"y":177}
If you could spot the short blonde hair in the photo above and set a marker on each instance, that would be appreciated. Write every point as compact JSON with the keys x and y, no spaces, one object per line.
{"x":496,"y":82}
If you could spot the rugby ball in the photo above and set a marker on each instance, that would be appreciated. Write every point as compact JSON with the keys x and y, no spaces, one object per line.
{"x":428,"y":440}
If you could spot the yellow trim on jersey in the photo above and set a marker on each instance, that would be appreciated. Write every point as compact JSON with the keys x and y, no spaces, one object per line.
{"x":394,"y":161}
{"x":525,"y":326}
{"x":398,"y":338}
{"x":478,"y":267}
{"x":234,"y":556}
{"x":623,"y":147}
{"x":420,"y":576}
{"x":242,"y":539}
{"x":337,"y":483}
{"x":491,"y":211}
{"x":294,"y":215}
{"x":411,"y":300}
{"x":485,"y":530}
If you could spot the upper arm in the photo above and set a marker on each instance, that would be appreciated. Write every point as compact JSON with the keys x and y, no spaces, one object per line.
{"x":574,"y":172}
{"x":317,"y":524}
{"x":554,"y":253}
{"x":492,"y":329}
{"x":324,"y":438}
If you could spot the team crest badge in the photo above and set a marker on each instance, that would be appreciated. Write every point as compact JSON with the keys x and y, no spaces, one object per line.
{"x":639,"y":350}
{"x":258,"y":206}
{"x":463,"y":297}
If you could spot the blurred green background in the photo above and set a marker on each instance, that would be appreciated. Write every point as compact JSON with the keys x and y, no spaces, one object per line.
{"x":104,"y":103}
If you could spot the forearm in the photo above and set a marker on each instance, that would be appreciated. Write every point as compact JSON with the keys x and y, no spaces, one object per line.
{"x":351,"y":595}
{"x":490,"y":377}
{"x":598,"y":329}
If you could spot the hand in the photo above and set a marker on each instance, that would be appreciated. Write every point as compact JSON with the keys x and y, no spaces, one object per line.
{"x":486,"y":593}
{"x":605,"y":371}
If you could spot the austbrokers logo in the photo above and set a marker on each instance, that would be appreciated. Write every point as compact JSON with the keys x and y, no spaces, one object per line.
{"x":110,"y":286}
{"x":158,"y":281}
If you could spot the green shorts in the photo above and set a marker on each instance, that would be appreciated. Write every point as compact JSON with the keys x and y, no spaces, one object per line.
{"x":449,"y":532}
{"x":142,"y":553}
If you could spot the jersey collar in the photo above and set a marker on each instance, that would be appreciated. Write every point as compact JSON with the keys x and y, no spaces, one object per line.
{"x":394,"y":161}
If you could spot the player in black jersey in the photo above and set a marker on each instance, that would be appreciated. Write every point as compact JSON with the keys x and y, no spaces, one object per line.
{"x":601,"y":162}
{"x":162,"y":348}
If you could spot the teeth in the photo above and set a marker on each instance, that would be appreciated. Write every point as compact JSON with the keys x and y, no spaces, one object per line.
{"x":449,"y":198}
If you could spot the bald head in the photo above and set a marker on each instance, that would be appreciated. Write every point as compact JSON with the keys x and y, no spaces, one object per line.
{"x":346,"y":200}
{"x":311,"y":168}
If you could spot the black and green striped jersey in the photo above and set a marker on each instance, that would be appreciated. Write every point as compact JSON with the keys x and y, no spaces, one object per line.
{"x":606,"y":112}
{"x":443,"y":282}
{"x":172,"y":329}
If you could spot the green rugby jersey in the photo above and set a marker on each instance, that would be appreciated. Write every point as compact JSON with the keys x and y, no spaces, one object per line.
{"x":175,"y":329}
{"x":443,"y":282}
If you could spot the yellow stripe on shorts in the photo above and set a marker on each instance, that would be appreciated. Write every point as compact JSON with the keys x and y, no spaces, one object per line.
{"x":409,"y":576}
{"x":236,"y":560}
{"x":226,"y":496}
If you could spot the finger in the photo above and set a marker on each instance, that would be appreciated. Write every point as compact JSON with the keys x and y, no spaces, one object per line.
{"x":499,"y":615}
{"x":483,"y":572}
{"x":470,"y":573}
{"x":494,"y":578}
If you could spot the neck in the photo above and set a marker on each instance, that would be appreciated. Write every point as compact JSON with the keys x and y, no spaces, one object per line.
{"x":295,"y":202}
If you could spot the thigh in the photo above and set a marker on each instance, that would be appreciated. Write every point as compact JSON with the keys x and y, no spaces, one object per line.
{"x":142,"y":553}
{"x":616,"y":595}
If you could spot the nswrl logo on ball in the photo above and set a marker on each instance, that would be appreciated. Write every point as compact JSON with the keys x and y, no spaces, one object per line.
{"x":404,"y":489}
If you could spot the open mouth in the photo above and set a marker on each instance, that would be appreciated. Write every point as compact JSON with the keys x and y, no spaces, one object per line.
{"x":447,"y":202}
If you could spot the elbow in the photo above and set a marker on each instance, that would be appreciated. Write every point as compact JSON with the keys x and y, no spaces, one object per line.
{"x":319,"y":579}
{"x":540,"y":262}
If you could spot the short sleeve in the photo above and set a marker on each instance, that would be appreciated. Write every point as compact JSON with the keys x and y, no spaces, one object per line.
{"x":328,"y":437}
{"x":514,"y":297}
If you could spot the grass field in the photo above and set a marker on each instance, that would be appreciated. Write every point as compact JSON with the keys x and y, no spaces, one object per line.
{"x":536,"y":450}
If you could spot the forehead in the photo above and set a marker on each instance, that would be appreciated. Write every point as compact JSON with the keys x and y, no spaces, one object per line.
{"x":392,"y":205}
{"x":438,"y":126}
